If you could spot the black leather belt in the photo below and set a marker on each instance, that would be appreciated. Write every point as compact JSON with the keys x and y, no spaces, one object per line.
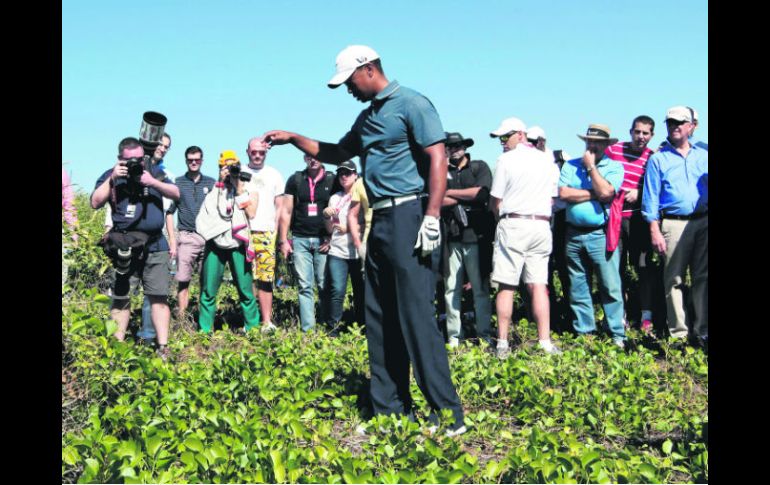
{"x":689,"y":217}
{"x":585,"y":229}
{"x":511,"y":215}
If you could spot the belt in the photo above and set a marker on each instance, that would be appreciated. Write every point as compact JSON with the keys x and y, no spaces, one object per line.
{"x":685,"y":218}
{"x":585,"y":229}
{"x":511,"y":215}
{"x":394,"y":201}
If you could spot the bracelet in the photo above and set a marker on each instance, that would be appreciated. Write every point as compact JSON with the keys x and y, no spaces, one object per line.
{"x":588,"y":170}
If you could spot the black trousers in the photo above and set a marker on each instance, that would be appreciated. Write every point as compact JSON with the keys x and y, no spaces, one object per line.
{"x":401,"y":325}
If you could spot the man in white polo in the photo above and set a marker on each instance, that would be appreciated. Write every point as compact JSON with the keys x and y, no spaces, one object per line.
{"x":522,"y":194}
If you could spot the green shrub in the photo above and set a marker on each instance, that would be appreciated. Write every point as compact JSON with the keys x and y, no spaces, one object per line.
{"x":282,"y":408}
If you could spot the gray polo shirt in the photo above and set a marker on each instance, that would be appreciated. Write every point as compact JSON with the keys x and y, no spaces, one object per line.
{"x":389,"y":136}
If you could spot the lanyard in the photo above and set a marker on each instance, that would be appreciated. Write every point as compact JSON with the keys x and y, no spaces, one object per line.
{"x":313,"y":182}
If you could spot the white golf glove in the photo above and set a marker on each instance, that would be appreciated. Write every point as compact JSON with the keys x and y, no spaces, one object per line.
{"x":429,"y":235}
{"x":362,"y":253}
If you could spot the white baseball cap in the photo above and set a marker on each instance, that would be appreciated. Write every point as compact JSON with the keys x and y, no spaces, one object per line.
{"x":508,"y":125}
{"x":348,"y":60}
{"x":536,"y":132}
{"x":679,"y":113}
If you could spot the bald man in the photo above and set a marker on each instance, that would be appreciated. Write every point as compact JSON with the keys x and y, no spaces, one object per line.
{"x":269,"y":183}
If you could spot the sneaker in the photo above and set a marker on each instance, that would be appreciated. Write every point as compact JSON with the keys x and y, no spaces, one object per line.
{"x":268,"y":327}
{"x":164,"y":352}
{"x":551,"y":349}
{"x":619,"y":343}
{"x":450,"y":433}
{"x":503,"y":354}
{"x":646,"y":327}
{"x":454,"y":342}
{"x":363,"y":430}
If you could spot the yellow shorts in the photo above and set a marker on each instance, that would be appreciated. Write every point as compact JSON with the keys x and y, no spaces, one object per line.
{"x":263,"y":266}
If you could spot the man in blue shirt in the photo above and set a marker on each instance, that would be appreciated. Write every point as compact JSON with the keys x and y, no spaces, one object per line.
{"x":588,"y":186}
{"x":135,"y":210}
{"x":399,"y":139}
{"x":675,"y":204}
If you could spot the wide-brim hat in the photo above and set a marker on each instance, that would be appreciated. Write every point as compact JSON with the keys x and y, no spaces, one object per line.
{"x":455,"y":138}
{"x":599,"y":133}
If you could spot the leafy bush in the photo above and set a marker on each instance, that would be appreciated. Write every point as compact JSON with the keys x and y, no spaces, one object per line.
{"x":283,"y":407}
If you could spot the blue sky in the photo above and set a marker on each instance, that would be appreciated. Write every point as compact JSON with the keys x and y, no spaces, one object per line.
{"x":225,"y":71}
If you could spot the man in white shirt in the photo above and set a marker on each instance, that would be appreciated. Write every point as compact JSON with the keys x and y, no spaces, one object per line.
{"x":269,"y":183}
{"x":523,"y":188}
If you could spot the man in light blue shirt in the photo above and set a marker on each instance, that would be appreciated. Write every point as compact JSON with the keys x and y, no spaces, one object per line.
{"x":675,"y":204}
{"x":588,"y":186}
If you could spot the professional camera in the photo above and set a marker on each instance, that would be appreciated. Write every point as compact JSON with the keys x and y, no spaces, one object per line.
{"x":235,"y":171}
{"x":135,"y":168}
{"x":122,"y":260}
{"x":151,"y":132}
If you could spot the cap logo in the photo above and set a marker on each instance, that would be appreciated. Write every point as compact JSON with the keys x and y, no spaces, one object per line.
{"x":361,"y":59}
{"x":597,"y":132}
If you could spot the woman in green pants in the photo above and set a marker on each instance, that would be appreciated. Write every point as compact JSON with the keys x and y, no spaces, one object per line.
{"x":223,"y":221}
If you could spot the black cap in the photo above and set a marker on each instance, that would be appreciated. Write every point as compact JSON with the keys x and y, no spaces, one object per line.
{"x":347,"y":165}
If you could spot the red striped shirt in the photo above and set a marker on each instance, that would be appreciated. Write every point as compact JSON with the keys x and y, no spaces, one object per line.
{"x":633,"y":170}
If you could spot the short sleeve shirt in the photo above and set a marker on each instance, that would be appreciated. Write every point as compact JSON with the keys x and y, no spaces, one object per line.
{"x":591,"y":212}
{"x":303,"y":224}
{"x":525,"y":181}
{"x":191,"y":196}
{"x":131,"y":211}
{"x":475,"y":173}
{"x":341,"y":244}
{"x":390,"y":137}
{"x":269,"y":184}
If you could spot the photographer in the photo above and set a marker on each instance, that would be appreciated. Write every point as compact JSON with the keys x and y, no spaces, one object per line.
{"x":223,"y":221}
{"x":468,"y":247}
{"x":138,"y":220}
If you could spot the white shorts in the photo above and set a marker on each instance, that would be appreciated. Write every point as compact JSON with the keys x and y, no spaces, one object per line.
{"x":522,"y":246}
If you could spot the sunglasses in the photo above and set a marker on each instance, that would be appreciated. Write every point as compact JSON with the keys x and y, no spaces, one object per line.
{"x":345,"y":173}
{"x":507,"y":136}
{"x":257,"y":152}
{"x":194,"y":160}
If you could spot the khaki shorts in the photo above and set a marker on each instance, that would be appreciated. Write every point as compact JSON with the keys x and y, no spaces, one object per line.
{"x":263,"y":266}
{"x":522,"y":248}
{"x":189,"y":253}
